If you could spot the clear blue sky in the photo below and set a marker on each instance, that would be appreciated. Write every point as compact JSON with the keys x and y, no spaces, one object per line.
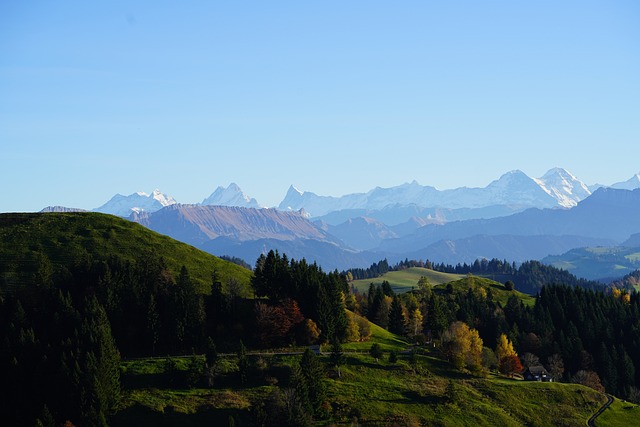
{"x":98,"y":98}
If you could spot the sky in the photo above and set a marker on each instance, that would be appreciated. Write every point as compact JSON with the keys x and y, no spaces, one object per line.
{"x":333,"y":97}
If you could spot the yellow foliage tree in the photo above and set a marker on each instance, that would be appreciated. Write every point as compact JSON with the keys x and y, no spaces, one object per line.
{"x":353,"y":330}
{"x":415,"y":322}
{"x":474,"y":357}
{"x":504,"y":348}
{"x":462,"y":346}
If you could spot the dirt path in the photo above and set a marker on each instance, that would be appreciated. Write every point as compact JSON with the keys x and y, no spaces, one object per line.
{"x":592,"y":420}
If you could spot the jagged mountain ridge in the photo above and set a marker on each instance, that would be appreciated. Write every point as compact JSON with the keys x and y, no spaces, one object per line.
{"x":512,"y":192}
{"x":564,"y":187}
{"x":557,"y":188}
{"x":231,"y":196}
{"x":124,"y":206}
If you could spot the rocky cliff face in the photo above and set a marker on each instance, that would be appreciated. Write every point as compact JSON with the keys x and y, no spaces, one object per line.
{"x":195,"y":224}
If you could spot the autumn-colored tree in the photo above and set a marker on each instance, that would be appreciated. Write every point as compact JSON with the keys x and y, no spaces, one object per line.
{"x":510,"y":365}
{"x":462,"y":346}
{"x":292,"y":311}
{"x":416,"y":319}
{"x":309,"y":332}
{"x":504,"y":348}
{"x":353,"y":331}
{"x":474,"y":356}
{"x":364,"y":328}
{"x":272,"y":324}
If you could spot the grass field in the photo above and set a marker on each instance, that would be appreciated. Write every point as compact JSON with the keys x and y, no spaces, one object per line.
{"x":423,"y":392}
{"x":406,"y":280}
{"x":386,"y":339}
{"x":619,"y":414}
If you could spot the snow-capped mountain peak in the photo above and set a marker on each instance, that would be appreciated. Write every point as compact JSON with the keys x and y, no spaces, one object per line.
{"x":563,"y":186}
{"x":231,"y":196}
{"x":136,"y":202}
{"x":162,"y":198}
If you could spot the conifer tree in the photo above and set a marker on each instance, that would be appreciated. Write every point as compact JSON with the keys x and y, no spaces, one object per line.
{"x":337,"y":356}
{"x":243,"y":363}
{"x":396,"y":317}
{"x":313,"y":373}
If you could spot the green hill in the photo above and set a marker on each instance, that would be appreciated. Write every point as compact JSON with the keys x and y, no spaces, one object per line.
{"x":405,"y":280}
{"x":39,"y":244}
{"x":500,"y":293}
{"x":426,"y":391}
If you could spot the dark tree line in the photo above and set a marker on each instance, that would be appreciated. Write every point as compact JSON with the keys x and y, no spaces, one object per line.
{"x":319,"y":295}
{"x":529,"y":277}
{"x":376,"y":269}
{"x":58,"y":359}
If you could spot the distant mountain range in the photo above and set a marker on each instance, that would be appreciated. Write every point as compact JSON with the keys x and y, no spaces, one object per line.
{"x":513,"y":192}
{"x":515,"y":217}
{"x":557,"y":188}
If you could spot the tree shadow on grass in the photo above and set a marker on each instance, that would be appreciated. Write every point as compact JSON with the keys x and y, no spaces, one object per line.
{"x":139,"y":415}
{"x":354,"y":361}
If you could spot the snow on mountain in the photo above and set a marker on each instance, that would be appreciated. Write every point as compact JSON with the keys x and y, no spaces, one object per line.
{"x":563,"y":186}
{"x":630,"y":184}
{"x":513,"y":189}
{"x":231,"y":196}
{"x":124,"y":206}
{"x":318,"y":205}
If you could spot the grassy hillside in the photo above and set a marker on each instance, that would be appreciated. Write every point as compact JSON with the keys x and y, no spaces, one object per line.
{"x":404,"y":280}
{"x":426,"y":392}
{"x":39,"y":243}
{"x":386,"y":339}
{"x":500,"y":293}
{"x":619,"y":414}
